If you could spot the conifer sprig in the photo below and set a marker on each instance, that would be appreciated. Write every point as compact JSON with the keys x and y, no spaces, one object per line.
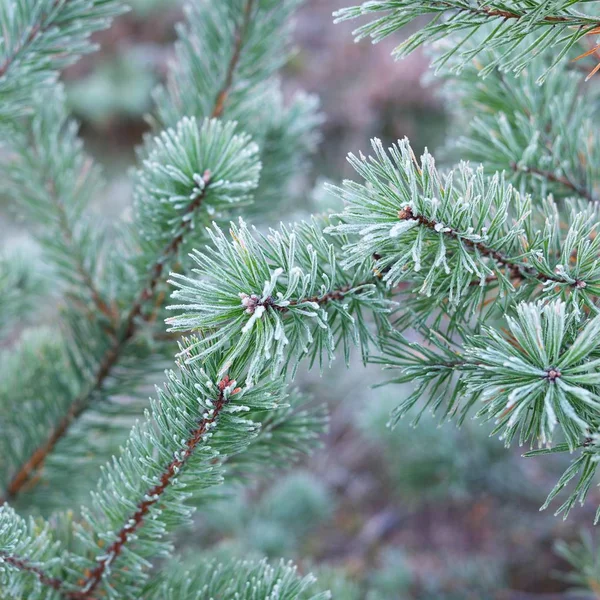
{"x":449,"y":243}
{"x":35,"y":35}
{"x":277,"y":298}
{"x":20,"y":288}
{"x":26,"y":366}
{"x":538,"y":376}
{"x":458,"y":235}
{"x":229,"y":579}
{"x":199,"y":419}
{"x":538,"y":135}
{"x":51,"y":181}
{"x":30,"y":560}
{"x":170,"y":190}
{"x":517,"y":30}
{"x":179,"y":190}
{"x":582,"y":555}
{"x":247,"y":42}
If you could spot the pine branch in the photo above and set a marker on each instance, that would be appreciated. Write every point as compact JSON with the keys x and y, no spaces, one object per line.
{"x":163,"y":225}
{"x":51,"y":181}
{"x":579,"y":189}
{"x":154,"y":494}
{"x":247,"y":42}
{"x":539,"y":133}
{"x":31,"y":561}
{"x":443,"y":233}
{"x":20,"y":288}
{"x":39,"y":39}
{"x":516,"y":270}
{"x":30,"y":368}
{"x":128,"y":330}
{"x":170,"y":251}
{"x":23,"y":564}
{"x":518,"y":30}
{"x":308,"y":304}
{"x":197,"y":422}
{"x":71,"y":245}
{"x":214,"y":578}
{"x":538,"y":375}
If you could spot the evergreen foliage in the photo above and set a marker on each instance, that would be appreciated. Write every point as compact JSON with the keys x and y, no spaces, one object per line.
{"x":285,"y":292}
{"x":65,"y":403}
{"x":245,"y":580}
{"x":34,"y":38}
{"x":477,"y":284}
{"x":20,"y":287}
{"x":537,"y":135}
{"x":517,"y":30}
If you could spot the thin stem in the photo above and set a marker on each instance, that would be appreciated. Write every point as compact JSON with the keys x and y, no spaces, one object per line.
{"x":82,"y":271}
{"x":517,"y":269}
{"x":240,"y":34}
{"x":35,"y":30}
{"x":505,"y":14}
{"x":338,"y":294}
{"x":563,"y":180}
{"x":24,"y":565}
{"x":577,"y":186}
{"x":488,"y":11}
{"x":151,"y":497}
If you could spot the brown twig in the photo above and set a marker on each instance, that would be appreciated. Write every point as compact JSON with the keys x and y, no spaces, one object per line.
{"x":240,"y":34}
{"x":488,"y":11}
{"x":151,"y":497}
{"x":252,"y":302}
{"x":516,"y":269}
{"x":505,"y":14}
{"x":565,"y":181}
{"x":24,"y":565}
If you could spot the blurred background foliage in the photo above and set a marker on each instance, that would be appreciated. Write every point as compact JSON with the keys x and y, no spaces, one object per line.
{"x":426,"y":513}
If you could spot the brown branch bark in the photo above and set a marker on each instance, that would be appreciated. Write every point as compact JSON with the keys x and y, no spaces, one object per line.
{"x":505,"y":14}
{"x":517,"y":269}
{"x":240,"y":34}
{"x":565,"y":181}
{"x":23,"y":564}
{"x":152,"y":497}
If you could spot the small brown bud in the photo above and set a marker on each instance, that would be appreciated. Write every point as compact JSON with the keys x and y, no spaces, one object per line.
{"x":405,"y":214}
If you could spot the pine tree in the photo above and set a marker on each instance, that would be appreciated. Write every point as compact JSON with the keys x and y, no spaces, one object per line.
{"x":478,"y":283}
